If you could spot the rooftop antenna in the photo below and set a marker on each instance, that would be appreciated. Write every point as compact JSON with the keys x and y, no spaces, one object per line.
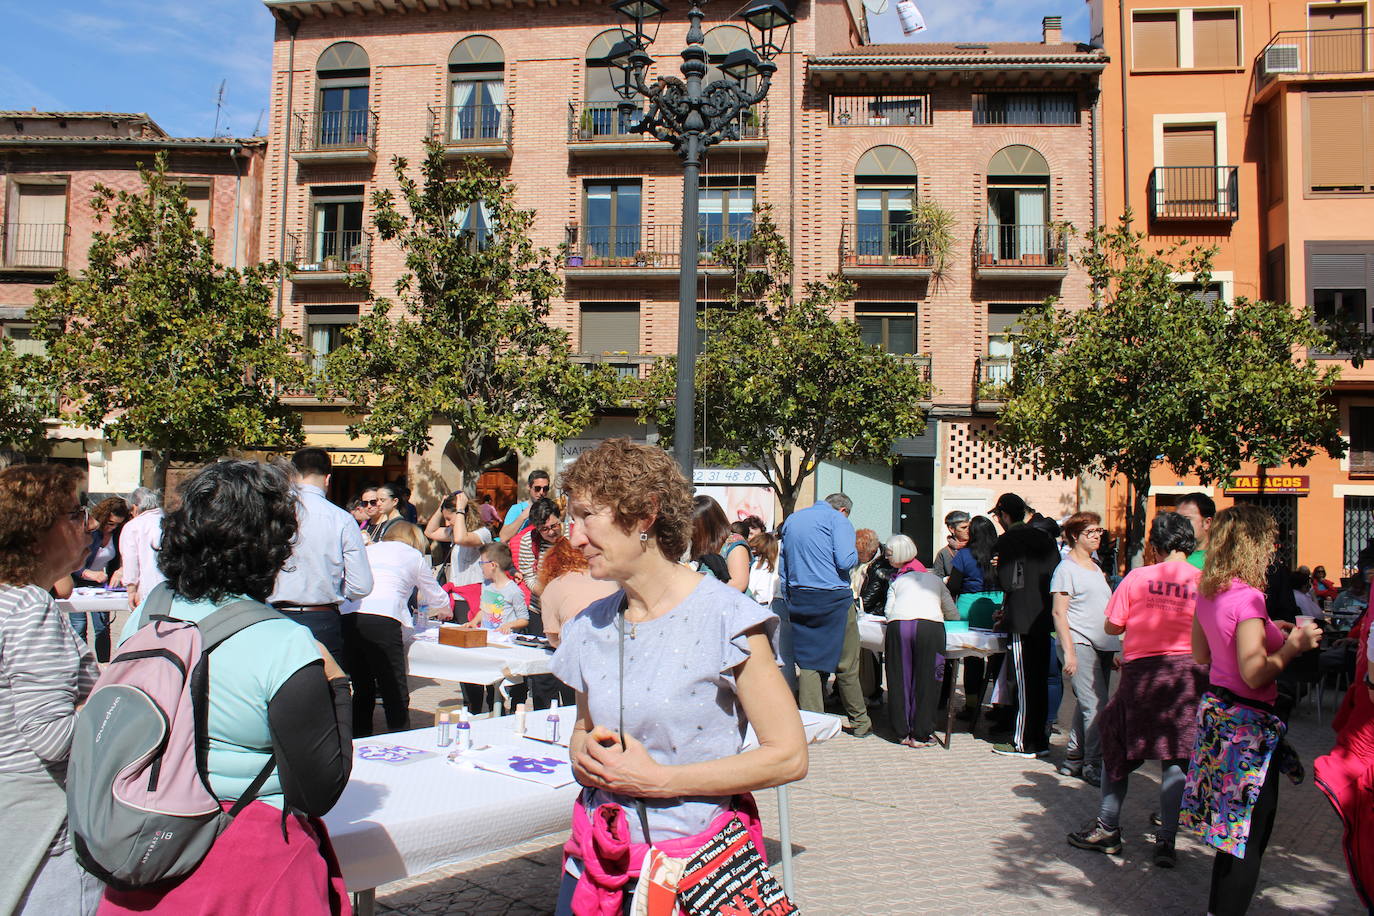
{"x":257,"y":127}
{"x":219,"y":106}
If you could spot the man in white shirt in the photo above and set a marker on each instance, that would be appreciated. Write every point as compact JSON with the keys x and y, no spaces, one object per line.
{"x":138,"y":544}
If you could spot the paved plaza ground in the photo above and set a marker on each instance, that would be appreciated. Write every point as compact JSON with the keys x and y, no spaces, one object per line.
{"x":882,"y":829}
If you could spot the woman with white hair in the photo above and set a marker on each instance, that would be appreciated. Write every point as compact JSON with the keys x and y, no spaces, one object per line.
{"x":918,"y":604}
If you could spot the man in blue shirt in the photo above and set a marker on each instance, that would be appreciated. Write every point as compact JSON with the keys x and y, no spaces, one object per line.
{"x":327,"y":565}
{"x":818,"y":551}
{"x":518,"y":515}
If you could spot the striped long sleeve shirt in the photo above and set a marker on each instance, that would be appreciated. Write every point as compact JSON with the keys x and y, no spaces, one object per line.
{"x":45,"y":672}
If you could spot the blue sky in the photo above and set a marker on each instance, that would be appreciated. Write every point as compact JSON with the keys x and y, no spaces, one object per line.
{"x":168,"y":57}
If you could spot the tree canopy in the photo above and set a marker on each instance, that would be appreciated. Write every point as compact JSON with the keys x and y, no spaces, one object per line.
{"x":1152,"y":372}
{"x":780,"y":384}
{"x":466,"y":341}
{"x":22,"y":405}
{"x":161,"y":345}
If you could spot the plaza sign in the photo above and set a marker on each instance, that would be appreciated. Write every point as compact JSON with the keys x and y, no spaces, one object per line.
{"x":1256,"y":484}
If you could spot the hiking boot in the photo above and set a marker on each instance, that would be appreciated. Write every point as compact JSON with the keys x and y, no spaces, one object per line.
{"x":1097,"y":838}
{"x":1165,"y":857}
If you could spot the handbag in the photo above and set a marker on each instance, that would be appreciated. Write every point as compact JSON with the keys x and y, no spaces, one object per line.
{"x":726,"y":874}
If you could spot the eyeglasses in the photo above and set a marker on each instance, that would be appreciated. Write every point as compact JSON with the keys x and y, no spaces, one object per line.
{"x":550,"y":529}
{"x":79,"y":514}
{"x":368,"y":502}
{"x":1098,"y":532}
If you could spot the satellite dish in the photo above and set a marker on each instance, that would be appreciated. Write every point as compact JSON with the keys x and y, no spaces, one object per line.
{"x":876,"y":7}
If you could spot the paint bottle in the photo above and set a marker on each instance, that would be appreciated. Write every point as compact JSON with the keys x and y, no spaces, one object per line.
{"x":464,"y":741}
{"x":553,"y":728}
{"x":520,"y":713}
{"x":443,"y":730}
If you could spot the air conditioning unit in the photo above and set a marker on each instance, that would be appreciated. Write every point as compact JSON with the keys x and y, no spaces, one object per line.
{"x":1281,"y":59}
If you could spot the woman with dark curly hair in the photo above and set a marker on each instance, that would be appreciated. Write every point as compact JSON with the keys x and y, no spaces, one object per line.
{"x":101,"y":567}
{"x":45,"y":674}
{"x":275,"y":695}
{"x":669,"y":672}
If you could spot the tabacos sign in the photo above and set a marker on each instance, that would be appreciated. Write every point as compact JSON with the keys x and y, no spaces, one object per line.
{"x":1255,"y":484}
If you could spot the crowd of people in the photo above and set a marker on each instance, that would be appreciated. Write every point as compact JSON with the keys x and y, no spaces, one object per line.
{"x":708,"y":626}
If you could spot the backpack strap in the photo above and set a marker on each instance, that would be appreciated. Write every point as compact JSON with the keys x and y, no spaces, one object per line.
{"x":157,"y":604}
{"x":231,"y":619}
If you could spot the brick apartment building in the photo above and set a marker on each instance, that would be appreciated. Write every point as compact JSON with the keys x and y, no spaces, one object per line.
{"x":1002,"y":135}
{"x":1250,"y":126}
{"x":50,"y":163}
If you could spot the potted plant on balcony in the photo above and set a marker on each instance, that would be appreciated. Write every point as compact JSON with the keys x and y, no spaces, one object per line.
{"x":574,"y":253}
{"x":642,"y":259}
{"x":586,"y":125}
{"x":932,"y":238}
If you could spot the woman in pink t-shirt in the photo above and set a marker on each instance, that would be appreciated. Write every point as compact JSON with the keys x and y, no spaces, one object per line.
{"x":1153,"y":714}
{"x":1247,"y":652}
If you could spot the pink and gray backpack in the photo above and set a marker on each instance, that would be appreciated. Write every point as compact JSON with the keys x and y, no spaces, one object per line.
{"x":139,"y":802}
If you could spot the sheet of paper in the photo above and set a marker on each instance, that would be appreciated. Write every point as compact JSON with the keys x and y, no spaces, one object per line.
{"x":526,"y":762}
{"x":392,"y":754}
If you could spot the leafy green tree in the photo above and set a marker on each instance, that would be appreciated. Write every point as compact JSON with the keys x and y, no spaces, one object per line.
{"x":22,"y":406}
{"x":161,"y":345}
{"x":780,"y":384}
{"x":467,"y":341}
{"x":1153,"y":373}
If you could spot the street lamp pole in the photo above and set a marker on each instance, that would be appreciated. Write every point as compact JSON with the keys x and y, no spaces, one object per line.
{"x":692,"y":116}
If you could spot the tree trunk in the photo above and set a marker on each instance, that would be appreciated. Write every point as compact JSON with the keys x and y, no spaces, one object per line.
{"x":162,"y":460}
{"x":1135,"y":519}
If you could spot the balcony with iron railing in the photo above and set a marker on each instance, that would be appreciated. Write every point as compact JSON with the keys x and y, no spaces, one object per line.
{"x":883,"y":250}
{"x":626,"y":365}
{"x":610,"y":251}
{"x":473,"y":130}
{"x":601,"y":128}
{"x":1020,"y":252}
{"x":992,"y":375}
{"x":879,"y":111}
{"x":1053,"y":109}
{"x":1195,"y":192}
{"x":329,"y":257}
{"x":1308,"y":54}
{"x":348,"y":136}
{"x":919,"y":360}
{"x":34,"y":247}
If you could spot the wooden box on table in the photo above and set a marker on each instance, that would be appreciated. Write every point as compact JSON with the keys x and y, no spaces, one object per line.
{"x":463,"y":639}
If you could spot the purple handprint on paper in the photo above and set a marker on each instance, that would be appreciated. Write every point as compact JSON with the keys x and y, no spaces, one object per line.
{"x":535,"y":764}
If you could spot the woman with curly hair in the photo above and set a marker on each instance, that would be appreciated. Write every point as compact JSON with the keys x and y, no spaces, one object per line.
{"x":1232,"y":790}
{"x":101,"y":566}
{"x":670,"y":670}
{"x":45,"y":674}
{"x":279,"y":704}
{"x":568,"y":589}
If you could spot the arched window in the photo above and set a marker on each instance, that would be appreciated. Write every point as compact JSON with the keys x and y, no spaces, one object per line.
{"x":477,"y":90}
{"x":342,"y":119}
{"x":720,"y":41}
{"x":885,"y":195}
{"x":604,"y":113}
{"x":1018,"y":205}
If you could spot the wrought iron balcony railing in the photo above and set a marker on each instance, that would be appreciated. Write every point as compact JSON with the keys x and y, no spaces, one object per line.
{"x":35,"y":246}
{"x":1011,"y":245}
{"x":992,"y":376}
{"x":885,"y":244}
{"x":650,"y":247}
{"x":879,"y":110}
{"x":329,"y":255}
{"x":471,"y":125}
{"x":591,"y":122}
{"x":336,"y":131}
{"x":1195,"y":192}
{"x":1315,"y":52}
{"x":626,"y":365}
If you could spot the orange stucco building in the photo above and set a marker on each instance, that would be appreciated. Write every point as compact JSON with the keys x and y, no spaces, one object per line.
{"x":1250,"y":127}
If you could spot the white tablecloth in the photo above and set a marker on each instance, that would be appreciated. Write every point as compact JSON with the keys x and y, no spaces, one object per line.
{"x":85,"y":600}
{"x":491,"y":665}
{"x":397,"y":821}
{"x":958,"y":643}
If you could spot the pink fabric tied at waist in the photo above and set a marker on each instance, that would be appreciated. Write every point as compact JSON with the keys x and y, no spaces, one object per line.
{"x":601,"y":842}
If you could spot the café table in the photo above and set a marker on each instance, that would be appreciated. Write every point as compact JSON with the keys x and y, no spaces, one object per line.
{"x":89,"y":600}
{"x":492,"y":665}
{"x":959,"y":645}
{"x":395,"y":821}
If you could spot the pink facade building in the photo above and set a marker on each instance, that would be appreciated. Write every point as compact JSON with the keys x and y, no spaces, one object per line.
{"x":852,"y":138}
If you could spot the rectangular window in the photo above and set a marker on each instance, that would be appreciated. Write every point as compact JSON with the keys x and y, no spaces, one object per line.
{"x":336,"y":239}
{"x":1340,"y":141}
{"x":611,"y":329}
{"x":1211,"y":293}
{"x":1362,"y":440}
{"x":324,"y":328}
{"x":1340,"y":281}
{"x":879,"y":110}
{"x":478,"y":107}
{"x":343,"y":119}
{"x":1275,"y":177}
{"x":1337,"y":42}
{"x":21,"y":337}
{"x":198,"y":199}
{"x":36,"y":233}
{"x":1216,"y":39}
{"x":611,"y":222}
{"x":883,"y":227}
{"x":1154,"y":40}
{"x":1359,"y":525}
{"x":888,"y":325}
{"x":726,"y":208}
{"x":1025,"y":108}
{"x":1276,"y":275}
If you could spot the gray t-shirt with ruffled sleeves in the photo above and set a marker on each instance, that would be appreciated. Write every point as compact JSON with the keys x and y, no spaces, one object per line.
{"x":679,"y":689}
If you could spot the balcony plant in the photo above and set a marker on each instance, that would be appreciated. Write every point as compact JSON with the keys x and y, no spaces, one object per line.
{"x":642,"y":259}
{"x":587,"y":126}
{"x":933,"y":236}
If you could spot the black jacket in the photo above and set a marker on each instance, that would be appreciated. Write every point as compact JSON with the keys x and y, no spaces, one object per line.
{"x":877,"y":576}
{"x":1026,"y":559}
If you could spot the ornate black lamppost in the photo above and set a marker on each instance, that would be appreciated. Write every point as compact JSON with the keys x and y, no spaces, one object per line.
{"x":691,"y":117}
